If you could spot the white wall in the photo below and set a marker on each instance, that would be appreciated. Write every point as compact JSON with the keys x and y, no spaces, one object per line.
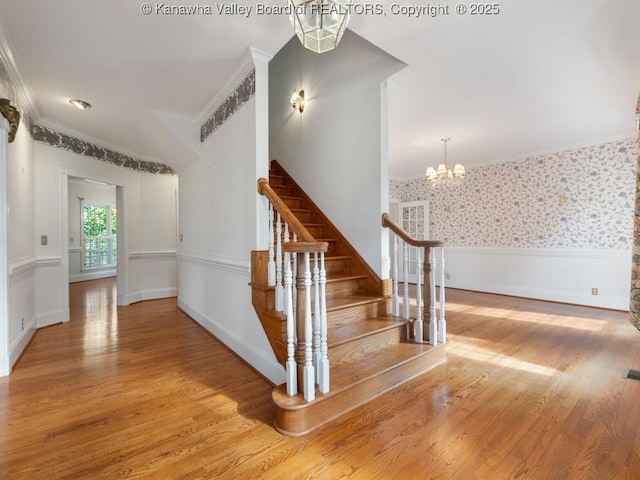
{"x":20,"y":310}
{"x":336,"y":150}
{"x":91,"y":193}
{"x":152,"y":260}
{"x":141,"y":259}
{"x":221,"y":216}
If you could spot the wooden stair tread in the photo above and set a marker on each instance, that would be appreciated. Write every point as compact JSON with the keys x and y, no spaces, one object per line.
{"x":354,"y":330}
{"x":335,"y":258}
{"x":341,"y":277}
{"x":338,"y":303}
{"x":351,"y":373}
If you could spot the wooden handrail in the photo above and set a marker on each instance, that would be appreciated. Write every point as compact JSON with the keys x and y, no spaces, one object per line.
{"x":387,"y":222}
{"x":305,"y":240}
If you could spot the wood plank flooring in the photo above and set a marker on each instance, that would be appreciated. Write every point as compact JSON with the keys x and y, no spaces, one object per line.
{"x":531,"y":390}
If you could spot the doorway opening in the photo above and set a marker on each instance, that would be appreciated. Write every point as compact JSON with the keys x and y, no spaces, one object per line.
{"x":93,"y":227}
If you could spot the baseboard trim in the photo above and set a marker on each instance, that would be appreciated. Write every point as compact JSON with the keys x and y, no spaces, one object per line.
{"x":19,"y":345}
{"x":52,"y":317}
{"x":156,"y":294}
{"x":83,"y":277}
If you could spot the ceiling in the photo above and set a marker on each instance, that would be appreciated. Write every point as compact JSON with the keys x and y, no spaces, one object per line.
{"x":538,"y":77}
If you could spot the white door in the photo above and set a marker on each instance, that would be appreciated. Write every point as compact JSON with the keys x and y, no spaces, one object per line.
{"x":413,"y":217}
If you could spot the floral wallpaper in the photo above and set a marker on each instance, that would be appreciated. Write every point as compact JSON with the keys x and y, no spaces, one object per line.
{"x":241,"y":95}
{"x":581,"y":198}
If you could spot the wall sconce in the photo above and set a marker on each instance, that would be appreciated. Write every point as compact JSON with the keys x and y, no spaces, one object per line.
{"x":297,"y":100}
{"x":12,"y":115}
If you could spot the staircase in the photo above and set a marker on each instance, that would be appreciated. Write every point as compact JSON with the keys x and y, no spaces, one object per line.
{"x":369,"y":350}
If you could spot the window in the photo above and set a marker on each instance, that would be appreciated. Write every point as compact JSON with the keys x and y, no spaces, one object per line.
{"x":99,"y":242}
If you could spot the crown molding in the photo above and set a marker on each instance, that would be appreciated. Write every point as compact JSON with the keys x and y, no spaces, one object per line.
{"x":14,"y":70}
{"x":259,"y":57}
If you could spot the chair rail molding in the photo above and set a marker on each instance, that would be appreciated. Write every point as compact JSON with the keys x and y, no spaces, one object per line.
{"x":22,"y":265}
{"x":218,"y":263}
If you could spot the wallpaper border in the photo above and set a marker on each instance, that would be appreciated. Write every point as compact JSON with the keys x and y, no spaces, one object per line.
{"x":234,"y":102}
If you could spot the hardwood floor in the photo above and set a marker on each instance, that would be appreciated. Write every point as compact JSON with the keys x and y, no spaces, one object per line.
{"x":531,"y":390}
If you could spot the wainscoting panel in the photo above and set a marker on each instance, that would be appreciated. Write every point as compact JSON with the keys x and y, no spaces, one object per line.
{"x":215,"y":292}
{"x":561,"y":275}
{"x":51,"y":307}
{"x":152,"y":275}
{"x":21,"y":311}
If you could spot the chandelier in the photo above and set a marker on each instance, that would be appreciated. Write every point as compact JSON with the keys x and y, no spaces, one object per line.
{"x":445,"y":175}
{"x":319,"y":24}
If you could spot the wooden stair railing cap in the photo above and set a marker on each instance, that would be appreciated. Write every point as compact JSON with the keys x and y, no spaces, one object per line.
{"x":302,"y":247}
{"x":306,"y":241}
{"x":398,"y":230}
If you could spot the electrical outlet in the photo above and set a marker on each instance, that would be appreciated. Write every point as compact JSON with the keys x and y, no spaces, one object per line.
{"x":447,"y":276}
{"x":23,"y":324}
{"x":44,"y":240}
{"x":594,"y":291}
{"x":181,"y":237}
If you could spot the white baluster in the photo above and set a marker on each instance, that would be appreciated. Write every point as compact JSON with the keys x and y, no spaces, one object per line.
{"x":308,"y":381}
{"x":433,"y":324}
{"x":294,"y":262}
{"x":395,"y":299}
{"x":292,"y":367}
{"x":442,"y":323}
{"x":271,"y":269}
{"x":279,"y":287}
{"x":316,"y":317}
{"x":405,"y":298}
{"x":287,"y":260}
{"x":418,"y":324}
{"x":323,"y":382}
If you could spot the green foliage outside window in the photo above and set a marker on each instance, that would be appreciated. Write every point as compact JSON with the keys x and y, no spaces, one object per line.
{"x":100,"y":225}
{"x":95,"y":221}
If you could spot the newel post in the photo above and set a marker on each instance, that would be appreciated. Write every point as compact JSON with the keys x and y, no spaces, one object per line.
{"x":426,"y":287}
{"x":304,"y":352}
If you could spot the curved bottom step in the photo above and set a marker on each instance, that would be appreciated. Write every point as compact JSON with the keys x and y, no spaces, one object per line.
{"x":296,"y":417}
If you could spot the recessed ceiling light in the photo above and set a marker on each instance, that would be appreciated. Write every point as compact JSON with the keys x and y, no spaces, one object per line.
{"x":81,"y":104}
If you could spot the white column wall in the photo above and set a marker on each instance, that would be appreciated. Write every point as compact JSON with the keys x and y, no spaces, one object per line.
{"x":21,"y":257}
{"x":220,"y":222}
